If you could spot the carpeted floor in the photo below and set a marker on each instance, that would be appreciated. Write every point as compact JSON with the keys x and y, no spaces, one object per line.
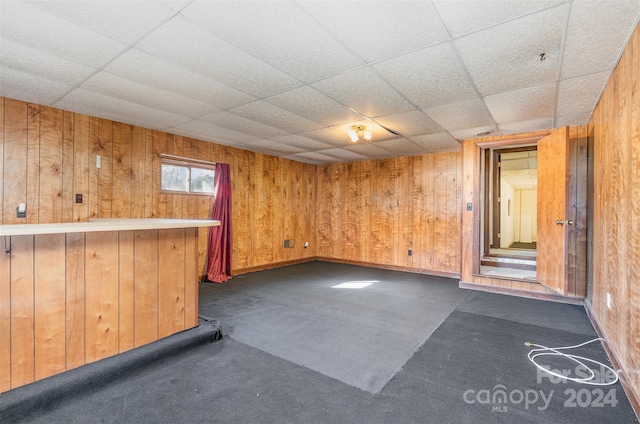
{"x":456,"y":376}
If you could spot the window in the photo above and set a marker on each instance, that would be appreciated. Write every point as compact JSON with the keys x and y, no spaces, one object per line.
{"x":188,"y":176}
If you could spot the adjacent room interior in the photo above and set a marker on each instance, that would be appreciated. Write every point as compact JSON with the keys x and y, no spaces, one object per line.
{"x":301,"y":211}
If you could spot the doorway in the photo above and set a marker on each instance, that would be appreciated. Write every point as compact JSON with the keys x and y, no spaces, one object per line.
{"x":511,"y":190}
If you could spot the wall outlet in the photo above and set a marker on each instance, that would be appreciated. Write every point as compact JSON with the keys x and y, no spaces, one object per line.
{"x":21,"y":211}
{"x":78,"y":197}
{"x":289,"y":243}
{"x":98,"y":161}
{"x":609,"y":301}
{"x":409,"y":252}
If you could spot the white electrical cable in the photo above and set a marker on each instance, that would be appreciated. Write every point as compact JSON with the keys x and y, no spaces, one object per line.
{"x":555,"y":351}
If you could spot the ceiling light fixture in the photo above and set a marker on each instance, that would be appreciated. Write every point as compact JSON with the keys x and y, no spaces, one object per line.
{"x":483,"y":133}
{"x":359,"y":133}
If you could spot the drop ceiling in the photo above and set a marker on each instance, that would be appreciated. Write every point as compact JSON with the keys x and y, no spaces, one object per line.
{"x":289,"y":78}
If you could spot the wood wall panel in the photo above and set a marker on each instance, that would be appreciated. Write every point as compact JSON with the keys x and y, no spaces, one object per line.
{"x":22,"y":311}
{"x":5,"y":322}
{"x":101,"y":295}
{"x":75,"y":300}
{"x":33,"y":163}
{"x":54,"y":154}
{"x":146,"y":271}
{"x":126,"y":286}
{"x":615,"y":126}
{"x":171,"y":296}
{"x":375,"y":211}
{"x":14,"y":160}
{"x":49,"y":304}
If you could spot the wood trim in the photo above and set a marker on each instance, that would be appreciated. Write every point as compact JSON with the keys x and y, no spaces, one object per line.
{"x":522,"y":293}
{"x":391,"y":267}
{"x":247,"y":270}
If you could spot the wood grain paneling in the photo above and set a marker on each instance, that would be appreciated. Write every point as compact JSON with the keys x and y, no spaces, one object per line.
{"x":68,"y":299}
{"x":22,"y":311}
{"x":49,"y":155}
{"x":615,"y":126}
{"x":101,"y":295}
{"x":374,"y":212}
{"x":49,"y":304}
{"x":75,"y":300}
{"x":146,"y":288}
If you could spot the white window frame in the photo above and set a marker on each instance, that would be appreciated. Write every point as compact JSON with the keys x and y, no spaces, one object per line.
{"x":166,"y":159}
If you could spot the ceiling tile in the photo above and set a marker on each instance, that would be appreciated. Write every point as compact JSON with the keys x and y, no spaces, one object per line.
{"x":365,"y":92}
{"x":187,"y":45}
{"x":302,"y":142}
{"x":142,"y":94}
{"x":274,"y":146}
{"x":370,"y":150}
{"x":41,"y":64}
{"x":402,"y":147}
{"x":316,"y":157}
{"x":409,"y":123}
{"x":274,"y":116}
{"x":473,"y":132}
{"x":344,"y":155}
{"x":136,"y":65}
{"x":214,"y":133}
{"x":313,"y":105}
{"x":329,"y":135}
{"x":22,"y":86}
{"x":570,"y":120}
{"x":428,"y":77}
{"x":459,"y":115}
{"x":380,"y":29}
{"x":580,"y":94}
{"x":524,"y":104}
{"x":278,"y":32}
{"x":527,"y":126}
{"x":462,"y":17}
{"x":508,"y":56}
{"x":125,"y":21}
{"x":43,"y":31}
{"x":244,"y":125}
{"x":598,"y":49}
{"x":437,"y":142}
{"x":116,"y":109}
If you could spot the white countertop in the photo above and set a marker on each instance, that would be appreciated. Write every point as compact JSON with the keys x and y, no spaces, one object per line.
{"x":105,"y":224}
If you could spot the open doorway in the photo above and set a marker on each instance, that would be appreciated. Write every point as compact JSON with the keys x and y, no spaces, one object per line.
{"x":511,"y":187}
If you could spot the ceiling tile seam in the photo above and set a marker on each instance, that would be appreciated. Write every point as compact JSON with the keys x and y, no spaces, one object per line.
{"x":475,"y":88}
{"x":496,"y":24}
{"x":331,"y":34}
{"x":563,"y":42}
{"x":123,"y":51}
{"x":186,"y":18}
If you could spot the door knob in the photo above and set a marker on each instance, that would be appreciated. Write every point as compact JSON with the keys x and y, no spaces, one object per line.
{"x":559,"y":222}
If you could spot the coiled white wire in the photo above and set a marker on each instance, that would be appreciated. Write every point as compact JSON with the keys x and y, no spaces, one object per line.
{"x":555,"y":351}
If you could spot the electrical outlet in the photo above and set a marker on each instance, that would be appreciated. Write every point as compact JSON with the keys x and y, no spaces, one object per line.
{"x":409,"y":252}
{"x":609,"y":301}
{"x":289,"y":243}
{"x":21,"y":211}
{"x":78,"y":197}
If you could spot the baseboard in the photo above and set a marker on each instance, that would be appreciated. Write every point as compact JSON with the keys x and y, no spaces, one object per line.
{"x":522,"y":293}
{"x":617,"y":364}
{"x":247,"y":270}
{"x":390,"y":267}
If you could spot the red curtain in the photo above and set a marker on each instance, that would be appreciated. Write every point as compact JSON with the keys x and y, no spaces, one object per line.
{"x":219,"y":268}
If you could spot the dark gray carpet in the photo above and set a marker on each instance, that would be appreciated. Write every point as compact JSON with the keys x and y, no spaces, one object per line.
{"x":359,"y":336}
{"x":478,"y":350}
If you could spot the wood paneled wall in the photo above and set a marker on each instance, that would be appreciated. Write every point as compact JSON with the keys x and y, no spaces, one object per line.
{"x":615,"y":128}
{"x":49,"y":155}
{"x":374,"y":212}
{"x":70,"y":299}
